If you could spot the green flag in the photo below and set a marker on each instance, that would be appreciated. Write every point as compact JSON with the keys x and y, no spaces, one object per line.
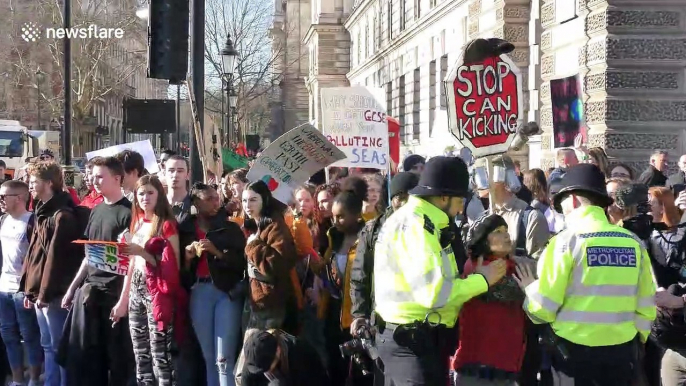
{"x":233,"y":161}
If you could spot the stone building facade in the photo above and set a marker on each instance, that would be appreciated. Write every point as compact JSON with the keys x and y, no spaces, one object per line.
{"x":290,"y":100}
{"x":630,"y":56}
{"x":328,"y":43}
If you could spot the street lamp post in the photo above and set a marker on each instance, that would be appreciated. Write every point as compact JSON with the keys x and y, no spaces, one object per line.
{"x":233,"y":101}
{"x":66,"y":127}
{"x":229,"y":55}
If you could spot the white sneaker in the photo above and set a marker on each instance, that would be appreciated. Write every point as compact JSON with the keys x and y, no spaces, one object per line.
{"x":35,"y":383}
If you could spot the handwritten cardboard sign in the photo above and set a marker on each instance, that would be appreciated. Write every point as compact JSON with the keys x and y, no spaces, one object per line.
{"x":289,"y":161}
{"x":354,"y":119}
{"x":105,"y":256}
{"x":485,"y":104}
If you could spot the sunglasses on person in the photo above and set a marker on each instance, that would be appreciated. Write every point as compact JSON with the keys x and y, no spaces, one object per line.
{"x":3,"y":196}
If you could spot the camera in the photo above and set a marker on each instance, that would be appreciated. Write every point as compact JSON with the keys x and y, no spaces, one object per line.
{"x":360,"y":350}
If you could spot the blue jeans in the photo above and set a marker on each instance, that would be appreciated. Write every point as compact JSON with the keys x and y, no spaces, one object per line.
{"x":17,"y":322}
{"x":51,"y":322}
{"x":217,"y":324}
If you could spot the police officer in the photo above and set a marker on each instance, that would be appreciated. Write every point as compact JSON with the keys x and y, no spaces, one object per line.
{"x":418,"y":294}
{"x":594,"y":288}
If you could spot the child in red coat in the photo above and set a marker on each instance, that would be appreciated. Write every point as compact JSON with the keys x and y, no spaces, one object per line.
{"x":492,"y":338}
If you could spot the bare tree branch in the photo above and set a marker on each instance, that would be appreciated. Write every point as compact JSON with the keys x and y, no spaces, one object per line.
{"x":101,"y":66}
{"x":248,"y":22}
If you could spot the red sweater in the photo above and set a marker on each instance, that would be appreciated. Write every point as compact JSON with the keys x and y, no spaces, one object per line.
{"x":491,"y":334}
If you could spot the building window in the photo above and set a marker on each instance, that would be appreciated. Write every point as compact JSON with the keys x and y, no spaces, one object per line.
{"x":369,"y":42}
{"x":375,"y":43}
{"x":417,"y":9}
{"x":402,"y":15}
{"x":401,"y":108}
{"x":379,"y":30}
{"x":416,"y":104}
{"x":432,"y":4}
{"x":359,"y":48}
{"x":390,"y":20}
{"x":444,"y":73}
{"x":432,"y":95}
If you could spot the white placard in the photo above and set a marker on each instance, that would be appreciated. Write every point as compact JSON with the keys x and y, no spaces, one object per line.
{"x":291,"y":159}
{"x":354,"y":119}
{"x":142,"y":147}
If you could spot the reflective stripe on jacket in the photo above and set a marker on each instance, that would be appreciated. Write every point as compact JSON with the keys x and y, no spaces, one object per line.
{"x":595,"y":283}
{"x":413,"y":275}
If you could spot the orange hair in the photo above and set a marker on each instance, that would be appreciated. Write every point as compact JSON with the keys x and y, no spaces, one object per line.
{"x":665,"y":197}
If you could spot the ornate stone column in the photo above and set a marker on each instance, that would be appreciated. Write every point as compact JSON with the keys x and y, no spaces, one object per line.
{"x":632,"y":59}
{"x":329,"y":45}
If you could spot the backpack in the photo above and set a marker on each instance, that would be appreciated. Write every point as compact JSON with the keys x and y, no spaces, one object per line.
{"x":81,"y":213}
{"x":675,"y":257}
{"x":520,"y":248}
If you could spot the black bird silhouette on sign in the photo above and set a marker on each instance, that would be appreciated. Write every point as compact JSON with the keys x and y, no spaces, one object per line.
{"x":479,"y":50}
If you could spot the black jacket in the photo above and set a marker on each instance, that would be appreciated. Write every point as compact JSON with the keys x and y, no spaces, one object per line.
{"x":652,"y":177}
{"x":361,"y":272}
{"x":304,"y":363}
{"x":229,"y":268}
{"x":676,"y":178}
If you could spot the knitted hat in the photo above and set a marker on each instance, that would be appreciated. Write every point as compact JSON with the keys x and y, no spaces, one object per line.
{"x":260,"y":351}
{"x":403,"y":182}
{"x":477,"y":237}
{"x":412,"y":160}
{"x":443,"y":176}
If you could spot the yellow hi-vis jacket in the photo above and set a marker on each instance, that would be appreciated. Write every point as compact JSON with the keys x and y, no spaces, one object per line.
{"x":595,"y":284}
{"x":415,"y":277}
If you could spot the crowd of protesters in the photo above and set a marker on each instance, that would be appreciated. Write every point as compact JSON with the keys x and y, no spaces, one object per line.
{"x":226,"y":285}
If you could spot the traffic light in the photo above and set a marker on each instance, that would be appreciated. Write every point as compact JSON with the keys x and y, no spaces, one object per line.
{"x":168,"y":39}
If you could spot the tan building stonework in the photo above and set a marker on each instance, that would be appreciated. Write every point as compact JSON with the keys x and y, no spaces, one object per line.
{"x":328,"y":43}
{"x":291,"y":105}
{"x":632,"y":59}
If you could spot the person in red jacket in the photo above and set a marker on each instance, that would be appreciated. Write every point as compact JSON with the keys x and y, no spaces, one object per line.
{"x":492,"y":338}
{"x":92,"y":198}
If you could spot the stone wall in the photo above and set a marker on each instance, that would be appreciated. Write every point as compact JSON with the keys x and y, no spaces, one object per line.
{"x":632,"y":59}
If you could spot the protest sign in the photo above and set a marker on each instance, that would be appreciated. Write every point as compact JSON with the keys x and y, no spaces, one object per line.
{"x":289,"y":161}
{"x":485,"y":104}
{"x":105,"y":256}
{"x":354,"y":119}
{"x":568,"y":111}
{"x":142,"y":147}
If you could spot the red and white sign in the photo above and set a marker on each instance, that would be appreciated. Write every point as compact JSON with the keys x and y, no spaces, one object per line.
{"x":485,"y":104}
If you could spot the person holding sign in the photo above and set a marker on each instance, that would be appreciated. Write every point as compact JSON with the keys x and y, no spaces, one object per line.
{"x":101,"y":303}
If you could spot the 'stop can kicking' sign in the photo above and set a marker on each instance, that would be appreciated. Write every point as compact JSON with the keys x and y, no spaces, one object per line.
{"x":484,"y":92}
